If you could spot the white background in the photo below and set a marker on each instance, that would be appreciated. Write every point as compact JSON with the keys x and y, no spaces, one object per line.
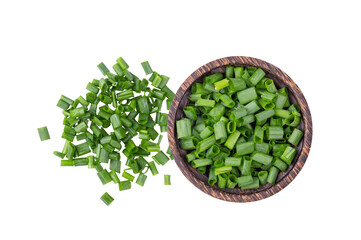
{"x":49,"y":48}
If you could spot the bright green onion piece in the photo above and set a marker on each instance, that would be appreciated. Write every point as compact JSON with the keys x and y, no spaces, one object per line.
{"x":157,"y":94}
{"x":252,"y":107}
{"x":77,"y":112}
{"x":190,"y":112}
{"x":293,"y":120}
{"x":262,"y":176}
{"x":282,"y":113}
{"x":262,"y":147}
{"x":238,"y":71}
{"x":231,"y":126}
{"x":281,"y":101}
{"x":262,"y":116}
{"x":122,"y":63}
{"x":184,"y":128}
{"x":82,"y":149}
{"x":221,"y":170}
{"x":257,"y":76}
{"x":115,"y":120}
{"x":270,"y":86}
{"x":206,"y":132}
{"x":295,"y":137}
{"x":280,"y":165}
{"x":67,"y":100}
{"x":63,"y":105}
{"x":245,"y":148}
{"x":107,"y":199}
{"x":43,"y":133}
{"x":147,"y":68}
{"x":222,"y":180}
{"x":168,"y":93}
{"x":205,"y":103}
{"x":205,"y":144}
{"x":114,"y":177}
{"x":262,"y":158}
{"x":128,"y":176}
{"x":244,"y":180}
{"x":288,"y":155}
{"x":253,"y":185}
{"x":124,"y":185}
{"x":81,"y":127}
{"x":232,"y":161}
{"x":59,"y":154}
{"x":104,"y":176}
{"x":160,"y":158}
{"x":258,"y":134}
{"x":211,"y":153}
{"x":221,"y":84}
{"x":125,"y":95}
{"x":232,"y":139}
{"x":153,"y":168}
{"x":217,"y":112}
{"x":201,"y":162}
{"x":236,"y":85}
{"x":167,"y":179}
{"x":189,"y":143}
{"x":103,"y":68}
{"x":115,"y":165}
{"x":229,"y":72}
{"x":169,"y":103}
{"x":227,"y":101}
{"x":266,"y":105}
{"x":272,"y":175}
{"x":141,"y":179}
{"x":220,"y":131}
{"x":231,"y":181}
{"x":104,"y":156}
{"x":66,"y":163}
{"x":213,"y":78}
{"x":274,"y":132}
{"x":237,"y":114}
{"x":247,"y":95}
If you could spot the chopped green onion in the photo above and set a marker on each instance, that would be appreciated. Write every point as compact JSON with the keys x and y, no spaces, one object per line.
{"x":104,"y":176}
{"x":147,"y":68}
{"x":43,"y":133}
{"x":167,"y":180}
{"x":160,"y":158}
{"x":107,"y":199}
{"x":141,"y":179}
{"x":125,"y":185}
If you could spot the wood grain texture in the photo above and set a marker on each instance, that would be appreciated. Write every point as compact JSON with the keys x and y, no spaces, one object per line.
{"x":281,"y":79}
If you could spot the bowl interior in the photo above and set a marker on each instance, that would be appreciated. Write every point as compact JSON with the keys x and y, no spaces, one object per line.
{"x":184,"y":101}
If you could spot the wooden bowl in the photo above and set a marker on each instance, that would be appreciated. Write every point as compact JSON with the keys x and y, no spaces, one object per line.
{"x":281,"y":79}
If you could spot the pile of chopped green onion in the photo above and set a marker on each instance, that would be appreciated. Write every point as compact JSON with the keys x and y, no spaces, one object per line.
{"x":239,"y":129}
{"x":117,"y":108}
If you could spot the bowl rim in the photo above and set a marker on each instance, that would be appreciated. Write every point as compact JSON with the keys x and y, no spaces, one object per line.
{"x":291,"y":86}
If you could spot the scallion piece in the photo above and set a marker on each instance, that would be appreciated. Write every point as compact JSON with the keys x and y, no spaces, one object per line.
{"x":147,"y":68}
{"x":107,"y":199}
{"x":160,"y":158}
{"x":141,"y":179}
{"x":167,"y":179}
{"x":125,"y":185}
{"x":184,"y":128}
{"x":104,"y":176}
{"x":295,"y":137}
{"x":43,"y":133}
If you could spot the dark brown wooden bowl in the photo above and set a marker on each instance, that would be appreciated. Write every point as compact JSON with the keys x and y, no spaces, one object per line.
{"x":181,"y":100}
